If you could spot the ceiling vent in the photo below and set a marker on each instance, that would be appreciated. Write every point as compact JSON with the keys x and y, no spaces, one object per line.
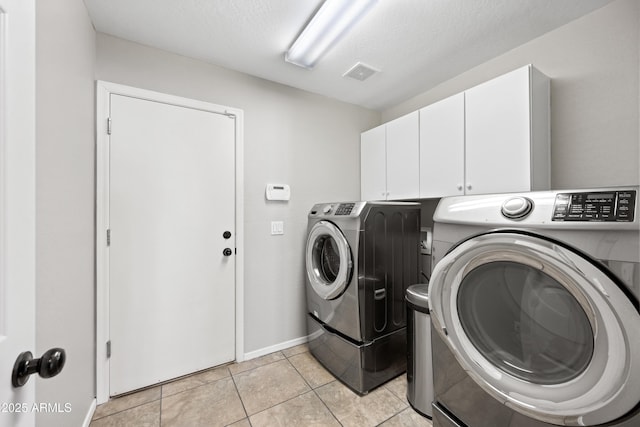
{"x":361,"y":71}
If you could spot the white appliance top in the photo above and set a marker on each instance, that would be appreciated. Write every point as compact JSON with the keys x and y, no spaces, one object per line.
{"x":589,"y":209}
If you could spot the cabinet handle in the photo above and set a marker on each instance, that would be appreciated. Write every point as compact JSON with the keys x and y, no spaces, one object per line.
{"x":459,"y":187}
{"x":469,"y":187}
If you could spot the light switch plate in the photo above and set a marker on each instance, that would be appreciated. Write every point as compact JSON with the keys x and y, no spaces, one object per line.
{"x":277,"y":228}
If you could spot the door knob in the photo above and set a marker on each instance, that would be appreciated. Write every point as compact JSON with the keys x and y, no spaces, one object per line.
{"x":227,"y":252}
{"x":49,"y":365}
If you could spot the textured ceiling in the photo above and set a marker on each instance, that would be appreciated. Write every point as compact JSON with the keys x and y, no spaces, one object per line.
{"x":416,"y":44}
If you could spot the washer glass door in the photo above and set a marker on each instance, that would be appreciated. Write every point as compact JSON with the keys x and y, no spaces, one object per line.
{"x":328,"y":260}
{"x":540,"y":327}
{"x":540,"y":333}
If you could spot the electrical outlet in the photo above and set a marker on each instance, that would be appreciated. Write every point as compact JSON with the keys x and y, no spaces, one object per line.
{"x":277,"y":228}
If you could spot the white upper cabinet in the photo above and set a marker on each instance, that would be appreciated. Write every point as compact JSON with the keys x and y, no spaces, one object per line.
{"x":373,"y":164}
{"x":403,"y":164}
{"x":507,"y":134}
{"x":492,"y":138}
{"x":389,"y":162}
{"x":442,"y":148}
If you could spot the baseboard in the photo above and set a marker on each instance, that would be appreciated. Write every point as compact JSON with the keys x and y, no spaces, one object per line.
{"x":90,"y":412}
{"x":276,"y":347}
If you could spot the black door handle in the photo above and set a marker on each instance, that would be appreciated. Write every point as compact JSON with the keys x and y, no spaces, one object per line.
{"x":226,"y":234}
{"x":227,"y":252}
{"x":49,"y":365}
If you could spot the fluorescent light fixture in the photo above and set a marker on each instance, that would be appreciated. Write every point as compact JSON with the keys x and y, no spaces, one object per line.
{"x":332,"y":21}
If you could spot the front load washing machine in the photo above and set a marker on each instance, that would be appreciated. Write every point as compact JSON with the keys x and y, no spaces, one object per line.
{"x":534,"y":309}
{"x":360,"y":259}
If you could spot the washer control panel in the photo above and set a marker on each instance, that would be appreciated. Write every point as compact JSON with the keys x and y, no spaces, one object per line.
{"x":345,"y":209}
{"x":618,"y":205}
{"x":350,"y":209}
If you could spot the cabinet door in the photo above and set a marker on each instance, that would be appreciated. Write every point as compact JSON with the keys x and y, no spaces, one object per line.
{"x":403,"y":163}
{"x":497,"y":146}
{"x":373,"y":169}
{"x":442,"y":148}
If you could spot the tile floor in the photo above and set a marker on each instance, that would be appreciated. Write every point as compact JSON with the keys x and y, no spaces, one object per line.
{"x":285,"y":388}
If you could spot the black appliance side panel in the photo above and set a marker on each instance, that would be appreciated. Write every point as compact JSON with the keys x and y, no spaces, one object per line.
{"x":388,"y":263}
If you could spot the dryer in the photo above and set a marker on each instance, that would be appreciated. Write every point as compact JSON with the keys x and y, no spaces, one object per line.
{"x":534,"y":309}
{"x":360,"y":258}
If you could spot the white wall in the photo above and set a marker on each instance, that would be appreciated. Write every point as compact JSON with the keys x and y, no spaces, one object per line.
{"x":594,"y":66}
{"x":65,"y":61}
{"x":307,"y":141}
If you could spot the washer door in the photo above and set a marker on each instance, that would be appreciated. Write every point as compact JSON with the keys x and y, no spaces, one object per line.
{"x":328,"y":260}
{"x":540,"y":327}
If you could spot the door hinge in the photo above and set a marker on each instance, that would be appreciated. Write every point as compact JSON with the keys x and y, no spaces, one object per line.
{"x":108,"y":237}
{"x":108,"y":349}
{"x":109,"y":126}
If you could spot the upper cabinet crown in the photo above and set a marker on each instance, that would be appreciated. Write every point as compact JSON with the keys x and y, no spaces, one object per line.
{"x":491,"y":138}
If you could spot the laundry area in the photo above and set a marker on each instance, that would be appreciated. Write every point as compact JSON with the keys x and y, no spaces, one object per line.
{"x":323,"y":213}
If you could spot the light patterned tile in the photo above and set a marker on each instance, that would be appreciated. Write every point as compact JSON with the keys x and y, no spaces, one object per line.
{"x":292,"y":351}
{"x":408,"y":417}
{"x":213,"y":404}
{"x":255,"y":363}
{"x":360,"y":411}
{"x":398,"y":386}
{"x":147,"y":415}
{"x":304,"y":410}
{"x":269,"y":385}
{"x":242,"y":423}
{"x":128,"y":401}
{"x":311,"y":370}
{"x":195,"y":380}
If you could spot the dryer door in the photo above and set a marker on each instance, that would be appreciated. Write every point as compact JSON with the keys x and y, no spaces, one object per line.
{"x":328,"y":260}
{"x":540,"y":327}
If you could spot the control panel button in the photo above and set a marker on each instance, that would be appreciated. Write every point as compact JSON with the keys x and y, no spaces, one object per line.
{"x":517,"y":207}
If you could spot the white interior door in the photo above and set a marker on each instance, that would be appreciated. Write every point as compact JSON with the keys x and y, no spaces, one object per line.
{"x":171,"y":198}
{"x":17,"y":205}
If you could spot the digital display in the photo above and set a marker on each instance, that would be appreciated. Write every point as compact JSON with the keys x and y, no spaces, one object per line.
{"x":600,"y":196}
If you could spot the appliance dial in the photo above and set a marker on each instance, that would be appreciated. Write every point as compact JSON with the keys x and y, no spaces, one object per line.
{"x":517,"y":207}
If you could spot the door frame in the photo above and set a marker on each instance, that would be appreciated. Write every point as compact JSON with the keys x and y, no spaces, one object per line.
{"x":103,"y":92}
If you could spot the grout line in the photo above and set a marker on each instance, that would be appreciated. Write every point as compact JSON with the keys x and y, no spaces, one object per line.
{"x":300,"y":373}
{"x":128,"y":407}
{"x":195,"y":386}
{"x":260,"y":366}
{"x":325,"y":404}
{"x":240,"y":397}
{"x":291,"y":398}
{"x":125,"y":410}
